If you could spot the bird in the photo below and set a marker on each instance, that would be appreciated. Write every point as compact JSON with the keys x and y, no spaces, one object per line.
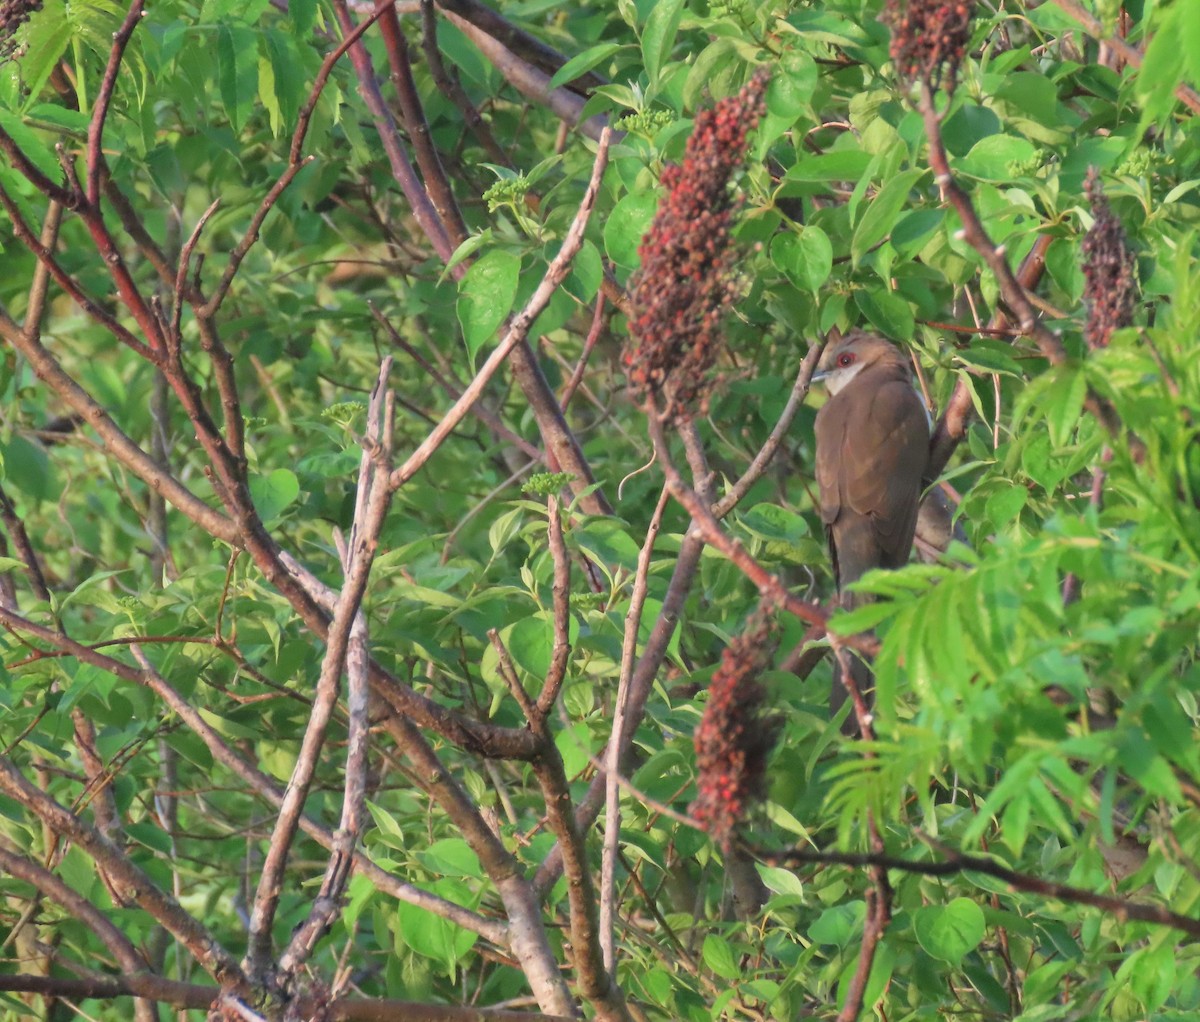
{"x":872,"y":451}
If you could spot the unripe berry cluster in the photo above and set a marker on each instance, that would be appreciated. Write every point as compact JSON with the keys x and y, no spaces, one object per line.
{"x":683,"y":287}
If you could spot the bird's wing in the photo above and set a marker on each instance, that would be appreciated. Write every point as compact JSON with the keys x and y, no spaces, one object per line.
{"x":830,"y":431}
{"x":886,"y":448}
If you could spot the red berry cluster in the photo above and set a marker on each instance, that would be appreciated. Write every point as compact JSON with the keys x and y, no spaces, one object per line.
{"x":14,"y":14}
{"x":929,"y":38}
{"x":683,"y":287}
{"x":1108,"y":269}
{"x":734,"y":736}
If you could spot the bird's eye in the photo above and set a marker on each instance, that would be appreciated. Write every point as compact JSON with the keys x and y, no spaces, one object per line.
{"x":845,"y":359}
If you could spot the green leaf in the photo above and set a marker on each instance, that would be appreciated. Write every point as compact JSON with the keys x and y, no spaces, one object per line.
{"x":531,"y":642}
{"x":273,"y":493}
{"x":1062,"y":403}
{"x":879,"y":219}
{"x":485,"y":296}
{"x":992,"y":158}
{"x":712,"y":61}
{"x":452,"y":856}
{"x":780,"y":881}
{"x":659,"y":35}
{"x":890,"y":314}
{"x":583,"y":62}
{"x":38,"y":153}
{"x":949,"y":932}
{"x":587,"y":273}
{"x":1162,"y":67}
{"x":806,"y":256}
{"x":718,"y":956}
{"x":790,"y":91}
{"x":626,"y":225}
{"x":28,"y":469}
{"x":288,"y":75}
{"x":838,"y":925}
{"x":774,"y":523}
{"x":1004,"y":505}
{"x":237,"y":67}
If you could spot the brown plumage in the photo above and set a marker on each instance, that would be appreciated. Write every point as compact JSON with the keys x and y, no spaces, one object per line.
{"x":872,"y":451}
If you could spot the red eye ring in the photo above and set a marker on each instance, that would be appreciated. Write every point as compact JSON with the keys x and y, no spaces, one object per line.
{"x":845,"y":359}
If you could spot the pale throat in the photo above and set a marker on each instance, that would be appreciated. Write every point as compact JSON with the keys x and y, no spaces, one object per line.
{"x":837,"y":379}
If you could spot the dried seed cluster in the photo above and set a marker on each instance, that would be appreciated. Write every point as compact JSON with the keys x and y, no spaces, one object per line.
{"x":1108,"y":268}
{"x":734,"y":736}
{"x":929,"y":38}
{"x":14,"y":14}
{"x":683,"y":287}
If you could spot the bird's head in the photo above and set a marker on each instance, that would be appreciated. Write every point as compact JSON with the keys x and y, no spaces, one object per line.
{"x":849,"y":355}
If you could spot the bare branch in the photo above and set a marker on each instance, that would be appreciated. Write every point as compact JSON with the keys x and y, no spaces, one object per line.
{"x":371,"y":508}
{"x":132,"y":881}
{"x":198,"y":997}
{"x":436,"y":183}
{"x":518,"y":328}
{"x":612,"y":815}
{"x":528,"y":80}
{"x":954,"y":862}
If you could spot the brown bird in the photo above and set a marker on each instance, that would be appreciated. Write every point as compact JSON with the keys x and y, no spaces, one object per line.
{"x":872,"y":452}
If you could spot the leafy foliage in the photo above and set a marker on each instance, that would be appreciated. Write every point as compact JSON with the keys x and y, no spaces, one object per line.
{"x":1037,"y":685}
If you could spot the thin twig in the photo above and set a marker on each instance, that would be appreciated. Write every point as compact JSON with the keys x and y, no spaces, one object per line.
{"x":954,"y":862}
{"x":1014,"y":295}
{"x":1130,"y":54}
{"x":95,"y":134}
{"x":612,"y":816}
{"x":762,"y":459}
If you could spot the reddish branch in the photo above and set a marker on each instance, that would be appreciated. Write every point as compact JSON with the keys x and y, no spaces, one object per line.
{"x":705,"y":525}
{"x":449,"y":85}
{"x":952,"y":426}
{"x":108,"y":83}
{"x":1014,"y":295}
{"x":436,"y":183}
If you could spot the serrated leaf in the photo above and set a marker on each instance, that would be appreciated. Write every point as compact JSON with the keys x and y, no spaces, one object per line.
{"x":38,"y":152}
{"x":1062,"y":403}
